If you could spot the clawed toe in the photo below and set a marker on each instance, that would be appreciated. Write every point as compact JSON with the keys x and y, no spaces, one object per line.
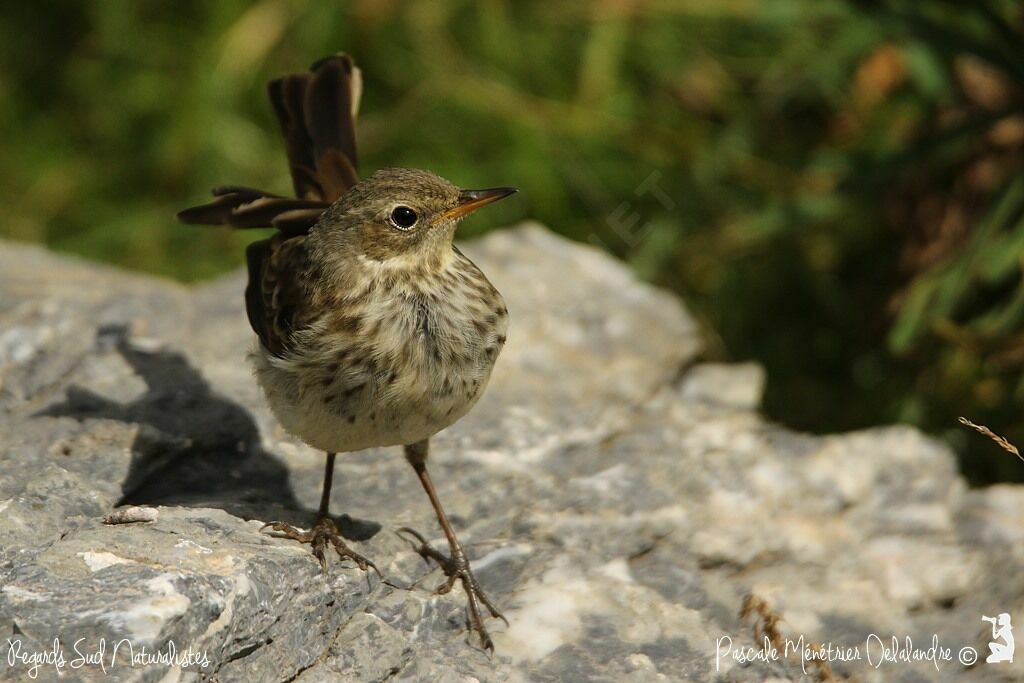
{"x":424,"y":549}
{"x":456,"y":568}
{"x":289,"y":531}
{"x":322,"y":533}
{"x":344,"y":551}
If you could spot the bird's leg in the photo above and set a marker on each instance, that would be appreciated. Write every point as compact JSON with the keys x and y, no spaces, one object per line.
{"x":456,"y":566}
{"x":324,"y":530}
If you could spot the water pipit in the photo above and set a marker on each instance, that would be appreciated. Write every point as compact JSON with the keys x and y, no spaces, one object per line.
{"x":373,"y":328}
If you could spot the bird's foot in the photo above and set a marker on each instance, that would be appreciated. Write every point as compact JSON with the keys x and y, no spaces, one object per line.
{"x":324,"y":532}
{"x":456,"y":568}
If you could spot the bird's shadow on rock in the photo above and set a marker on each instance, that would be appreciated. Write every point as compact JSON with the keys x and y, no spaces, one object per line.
{"x":196,"y":448}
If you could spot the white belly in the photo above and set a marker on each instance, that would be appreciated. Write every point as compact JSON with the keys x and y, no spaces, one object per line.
{"x":409,"y":373}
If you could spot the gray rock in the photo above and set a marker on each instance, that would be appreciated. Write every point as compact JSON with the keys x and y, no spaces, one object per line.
{"x":618,"y":502}
{"x":739,"y":385}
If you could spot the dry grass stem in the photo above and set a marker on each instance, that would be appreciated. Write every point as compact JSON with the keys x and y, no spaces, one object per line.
{"x":766,"y":625}
{"x":1003,"y":443}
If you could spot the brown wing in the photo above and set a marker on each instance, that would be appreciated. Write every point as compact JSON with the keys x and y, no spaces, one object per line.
{"x":277,"y":297}
{"x":317,"y":114}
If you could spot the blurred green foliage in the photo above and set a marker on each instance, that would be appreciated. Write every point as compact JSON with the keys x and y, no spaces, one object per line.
{"x":835,"y":187}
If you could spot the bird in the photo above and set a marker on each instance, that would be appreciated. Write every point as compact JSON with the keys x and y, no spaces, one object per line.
{"x":372,"y":328}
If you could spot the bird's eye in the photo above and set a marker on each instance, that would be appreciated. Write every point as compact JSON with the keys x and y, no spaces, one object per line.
{"x":403,"y":217}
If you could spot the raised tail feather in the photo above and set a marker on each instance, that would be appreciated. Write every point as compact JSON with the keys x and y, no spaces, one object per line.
{"x":317,"y":113}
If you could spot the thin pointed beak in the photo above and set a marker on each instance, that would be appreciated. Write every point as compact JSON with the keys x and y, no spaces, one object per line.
{"x":471,"y":200}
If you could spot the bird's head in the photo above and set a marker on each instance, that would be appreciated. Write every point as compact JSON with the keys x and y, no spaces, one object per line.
{"x":401,"y":217}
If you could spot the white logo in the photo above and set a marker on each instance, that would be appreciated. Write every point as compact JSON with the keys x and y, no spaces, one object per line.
{"x":1001,"y":630}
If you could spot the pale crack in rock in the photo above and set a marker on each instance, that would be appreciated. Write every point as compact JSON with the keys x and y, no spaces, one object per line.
{"x":551,"y":611}
{"x":21,"y":594}
{"x":240,"y":588}
{"x":18,"y":345}
{"x":145,"y":620}
{"x":500,"y":554}
{"x":548,"y":615}
{"x":192,"y":547}
{"x":102,"y":560}
{"x":12,"y":516}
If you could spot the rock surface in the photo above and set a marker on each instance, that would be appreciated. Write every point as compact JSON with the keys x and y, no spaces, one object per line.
{"x":618,"y":499}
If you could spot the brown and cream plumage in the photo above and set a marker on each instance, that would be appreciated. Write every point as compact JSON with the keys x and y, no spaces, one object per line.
{"x":373,"y":328}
